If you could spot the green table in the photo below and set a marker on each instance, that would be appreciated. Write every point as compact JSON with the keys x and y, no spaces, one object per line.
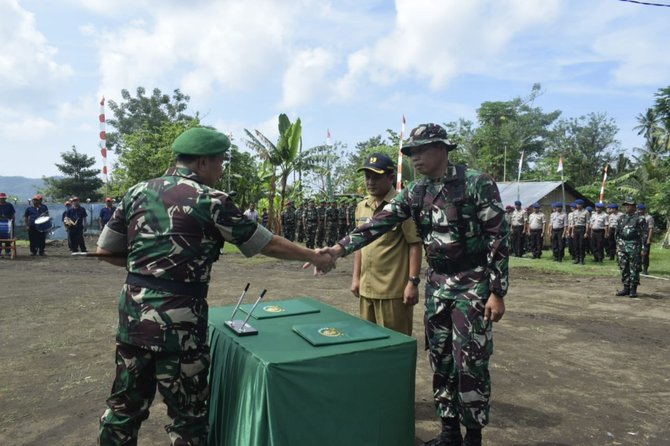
{"x":277,"y":389}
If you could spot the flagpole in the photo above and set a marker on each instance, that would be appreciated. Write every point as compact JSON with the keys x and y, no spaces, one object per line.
{"x":329,"y":185}
{"x":103,"y":144}
{"x":602,"y":186}
{"x":560,"y":168}
{"x":399,"y":177}
{"x":518,"y":178}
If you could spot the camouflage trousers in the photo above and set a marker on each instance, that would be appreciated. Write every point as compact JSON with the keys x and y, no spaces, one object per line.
{"x":630,"y":265}
{"x":460,"y":343}
{"x":181,"y":378}
{"x":289,"y":232}
{"x":301,"y":232}
{"x":310,"y":235}
{"x":320,"y":235}
{"x":332,"y":235}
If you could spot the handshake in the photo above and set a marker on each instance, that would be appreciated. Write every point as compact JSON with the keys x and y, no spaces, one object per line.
{"x":324,"y":259}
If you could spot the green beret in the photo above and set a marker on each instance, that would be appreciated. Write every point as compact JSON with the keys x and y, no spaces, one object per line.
{"x":201,"y":141}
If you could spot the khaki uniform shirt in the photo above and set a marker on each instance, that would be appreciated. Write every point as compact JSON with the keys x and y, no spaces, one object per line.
{"x":385,"y":262}
{"x":599,"y":220}
{"x":519,"y":217}
{"x":613,"y":218}
{"x":558,"y":220}
{"x":650,"y":221}
{"x":536,"y":220}
{"x":580,"y":218}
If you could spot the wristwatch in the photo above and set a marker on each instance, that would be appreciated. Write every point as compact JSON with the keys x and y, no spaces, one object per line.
{"x":415,"y":280}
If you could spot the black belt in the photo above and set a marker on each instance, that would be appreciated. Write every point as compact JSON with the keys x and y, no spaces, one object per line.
{"x":451,"y":267}
{"x":598,"y":230}
{"x":195,"y":289}
{"x":557,"y":229}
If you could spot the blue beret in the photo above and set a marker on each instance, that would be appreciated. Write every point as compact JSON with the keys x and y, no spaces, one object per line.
{"x":558,"y":204}
{"x":517,"y":202}
{"x":536,"y":205}
{"x":579,"y":201}
{"x":612,"y":206}
{"x":641,"y":206}
{"x":200,"y":141}
{"x":589,"y":208}
{"x":600,"y":205}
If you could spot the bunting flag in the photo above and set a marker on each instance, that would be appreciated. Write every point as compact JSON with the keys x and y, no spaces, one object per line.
{"x":602,"y":186}
{"x":103,"y":138}
{"x":560,"y":165}
{"x":402,"y":132}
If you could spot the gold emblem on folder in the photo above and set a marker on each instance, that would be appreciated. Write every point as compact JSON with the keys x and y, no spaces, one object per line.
{"x":273,"y":309}
{"x":330,"y":332}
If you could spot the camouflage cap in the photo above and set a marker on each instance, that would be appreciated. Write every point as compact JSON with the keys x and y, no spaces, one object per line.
{"x":200,"y":141}
{"x":628,"y":200}
{"x":427,"y":134}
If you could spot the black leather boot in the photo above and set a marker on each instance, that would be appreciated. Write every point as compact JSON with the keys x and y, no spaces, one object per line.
{"x":473,"y":437}
{"x":633,"y":291}
{"x":623,"y":292}
{"x":450,"y":435}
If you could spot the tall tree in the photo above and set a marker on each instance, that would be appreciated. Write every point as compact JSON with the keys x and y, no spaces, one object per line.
{"x":586,"y":144}
{"x":79,"y":180}
{"x":144,"y":113}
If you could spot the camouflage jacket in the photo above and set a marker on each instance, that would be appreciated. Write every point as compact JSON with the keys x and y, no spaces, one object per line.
{"x":321,"y":213}
{"x":485,"y":232}
{"x":175,"y":226}
{"x":288,"y":217}
{"x":631,"y":231}
{"x":311,"y":216}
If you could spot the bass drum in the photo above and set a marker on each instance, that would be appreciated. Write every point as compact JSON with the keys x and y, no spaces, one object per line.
{"x":5,"y":229}
{"x":43,"y":224}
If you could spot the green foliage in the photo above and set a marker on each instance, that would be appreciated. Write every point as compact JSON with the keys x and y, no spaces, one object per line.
{"x":78,"y":179}
{"x":144,"y":114}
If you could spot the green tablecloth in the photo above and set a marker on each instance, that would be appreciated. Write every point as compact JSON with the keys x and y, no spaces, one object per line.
{"x":277,"y":389}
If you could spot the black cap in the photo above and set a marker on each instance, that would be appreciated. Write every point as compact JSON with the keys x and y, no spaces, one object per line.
{"x":378,"y":163}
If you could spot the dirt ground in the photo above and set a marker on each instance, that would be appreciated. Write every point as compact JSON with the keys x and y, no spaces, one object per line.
{"x":573,"y":365}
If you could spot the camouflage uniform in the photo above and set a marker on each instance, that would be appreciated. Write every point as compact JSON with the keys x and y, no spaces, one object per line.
{"x":631,"y":234}
{"x":300,"y":227}
{"x":331,"y":225}
{"x":288,"y":223}
{"x":320,"y":226}
{"x":173,"y":228}
{"x":311,"y":221}
{"x":468,"y":259}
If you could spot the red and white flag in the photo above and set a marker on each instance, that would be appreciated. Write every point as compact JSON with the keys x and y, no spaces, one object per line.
{"x":329,"y":139}
{"x":560,"y":165}
{"x":103,"y":138}
{"x":402,"y":132}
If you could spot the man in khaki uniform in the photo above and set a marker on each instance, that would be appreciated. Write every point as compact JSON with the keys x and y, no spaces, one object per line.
{"x":580,"y":230}
{"x":519,"y":224}
{"x":597,"y":227}
{"x":386,"y":272}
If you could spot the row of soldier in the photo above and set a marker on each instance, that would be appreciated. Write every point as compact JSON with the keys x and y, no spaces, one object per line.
{"x":313,"y":225}
{"x":580,"y":229}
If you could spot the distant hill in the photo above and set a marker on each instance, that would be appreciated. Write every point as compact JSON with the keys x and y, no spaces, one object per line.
{"x":22,"y":187}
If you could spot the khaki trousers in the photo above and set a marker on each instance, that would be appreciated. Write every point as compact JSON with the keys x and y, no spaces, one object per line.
{"x":389,"y":313}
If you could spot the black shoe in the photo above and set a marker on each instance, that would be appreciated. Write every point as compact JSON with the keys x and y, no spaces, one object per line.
{"x":633,"y":292}
{"x":623,"y":292}
{"x":473,"y":437}
{"x":582,"y":262}
{"x":645,"y":272}
{"x":450,"y":435}
{"x":42,"y":253}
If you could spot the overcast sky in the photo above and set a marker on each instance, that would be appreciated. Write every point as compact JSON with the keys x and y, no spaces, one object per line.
{"x":353,"y":66}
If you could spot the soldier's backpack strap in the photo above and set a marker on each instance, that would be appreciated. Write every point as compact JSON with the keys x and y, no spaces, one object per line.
{"x":419,"y":194}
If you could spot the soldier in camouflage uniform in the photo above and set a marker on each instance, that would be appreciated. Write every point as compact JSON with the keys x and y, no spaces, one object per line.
{"x":310,"y":221}
{"x":288,"y":221}
{"x":351,"y":214}
{"x":464,"y":233}
{"x":631,"y":234}
{"x":646,"y":248}
{"x":299,"y":222}
{"x":168,"y":232}
{"x":321,"y":226}
{"x":342,"y":220}
{"x":330,"y":223}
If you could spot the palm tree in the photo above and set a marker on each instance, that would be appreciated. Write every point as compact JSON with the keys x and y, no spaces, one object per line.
{"x":280,"y":157}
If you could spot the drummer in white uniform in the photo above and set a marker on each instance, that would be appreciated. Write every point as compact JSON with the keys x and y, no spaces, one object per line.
{"x":37,"y":233}
{"x":7,"y":213}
